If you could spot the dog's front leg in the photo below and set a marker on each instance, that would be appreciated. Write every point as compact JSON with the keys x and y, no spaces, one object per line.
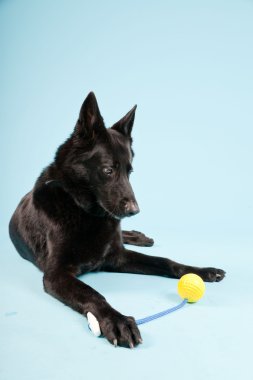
{"x":117,"y":328}
{"x":134,"y":262}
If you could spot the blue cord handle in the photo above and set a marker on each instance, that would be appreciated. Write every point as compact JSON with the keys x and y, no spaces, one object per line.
{"x":161,"y":314}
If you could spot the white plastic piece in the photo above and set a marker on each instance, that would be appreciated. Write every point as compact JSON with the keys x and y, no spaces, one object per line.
{"x":93,"y":324}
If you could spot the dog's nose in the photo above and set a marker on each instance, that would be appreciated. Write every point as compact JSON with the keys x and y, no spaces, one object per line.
{"x":131,"y":208}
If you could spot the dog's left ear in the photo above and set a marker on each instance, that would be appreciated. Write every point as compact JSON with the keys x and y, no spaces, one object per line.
{"x":125,"y":124}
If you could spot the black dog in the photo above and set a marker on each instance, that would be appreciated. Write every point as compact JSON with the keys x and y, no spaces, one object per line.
{"x":69,"y":224}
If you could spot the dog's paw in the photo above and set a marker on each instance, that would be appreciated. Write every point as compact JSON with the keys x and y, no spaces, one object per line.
{"x":120,"y":330}
{"x":137,"y":238}
{"x":212,"y":274}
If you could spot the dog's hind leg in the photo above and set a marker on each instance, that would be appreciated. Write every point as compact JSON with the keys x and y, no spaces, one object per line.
{"x":137,"y":238}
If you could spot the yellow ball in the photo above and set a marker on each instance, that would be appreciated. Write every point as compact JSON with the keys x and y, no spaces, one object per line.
{"x":191,"y":286}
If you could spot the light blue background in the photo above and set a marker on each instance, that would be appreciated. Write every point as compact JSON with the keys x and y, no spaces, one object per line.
{"x":188,"y":66}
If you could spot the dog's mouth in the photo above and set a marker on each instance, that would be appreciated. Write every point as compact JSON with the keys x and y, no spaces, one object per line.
{"x":112,"y":214}
{"x":130,"y":209}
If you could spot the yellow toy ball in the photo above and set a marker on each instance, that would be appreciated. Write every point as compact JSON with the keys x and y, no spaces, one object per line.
{"x":191,"y":287}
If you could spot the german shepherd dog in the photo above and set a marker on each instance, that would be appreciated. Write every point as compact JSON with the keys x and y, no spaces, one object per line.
{"x":69,"y":223}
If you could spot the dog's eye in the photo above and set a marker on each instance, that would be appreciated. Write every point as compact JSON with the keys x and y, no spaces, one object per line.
{"x":108,"y":171}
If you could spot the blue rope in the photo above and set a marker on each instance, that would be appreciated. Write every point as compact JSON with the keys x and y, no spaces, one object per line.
{"x":161,"y":314}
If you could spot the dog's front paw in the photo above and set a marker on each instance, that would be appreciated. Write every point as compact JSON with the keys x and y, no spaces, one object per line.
{"x":137,"y":238}
{"x":212,"y":274}
{"x":120,"y":330}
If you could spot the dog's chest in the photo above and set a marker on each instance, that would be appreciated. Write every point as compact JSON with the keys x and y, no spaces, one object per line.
{"x":94,"y":243}
{"x":94,"y":261}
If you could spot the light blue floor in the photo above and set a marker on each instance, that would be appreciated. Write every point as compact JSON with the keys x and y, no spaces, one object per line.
{"x":40,"y":338}
{"x":188,"y":66}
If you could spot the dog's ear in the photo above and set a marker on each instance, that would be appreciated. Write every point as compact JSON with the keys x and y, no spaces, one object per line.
{"x":125,"y":124}
{"x":90,"y":120}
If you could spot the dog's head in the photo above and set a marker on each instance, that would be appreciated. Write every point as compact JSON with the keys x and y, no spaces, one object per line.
{"x":95,"y":163}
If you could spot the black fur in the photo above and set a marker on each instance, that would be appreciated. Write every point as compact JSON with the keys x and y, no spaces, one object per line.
{"x":69,"y":224}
